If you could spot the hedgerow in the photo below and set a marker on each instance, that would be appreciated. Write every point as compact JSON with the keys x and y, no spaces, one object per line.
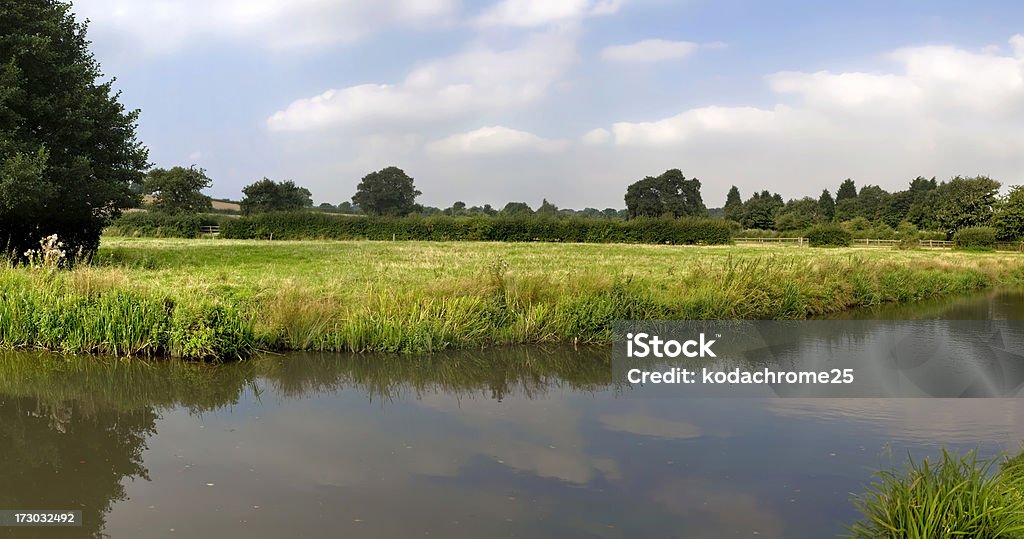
{"x":309,"y":225}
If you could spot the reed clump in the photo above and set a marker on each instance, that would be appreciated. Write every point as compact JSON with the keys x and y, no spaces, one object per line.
{"x":956,"y":496}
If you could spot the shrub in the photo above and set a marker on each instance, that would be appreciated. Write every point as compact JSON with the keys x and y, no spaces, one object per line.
{"x":313,"y":225}
{"x":975,"y":238}
{"x":829,"y":236}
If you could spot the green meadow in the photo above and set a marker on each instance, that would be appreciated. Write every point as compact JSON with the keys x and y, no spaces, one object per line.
{"x":225,"y":299}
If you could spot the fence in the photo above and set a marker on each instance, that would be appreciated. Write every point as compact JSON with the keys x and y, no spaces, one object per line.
{"x":210,"y":230}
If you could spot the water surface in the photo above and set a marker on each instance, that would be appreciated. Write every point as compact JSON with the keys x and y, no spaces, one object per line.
{"x":525,"y":442}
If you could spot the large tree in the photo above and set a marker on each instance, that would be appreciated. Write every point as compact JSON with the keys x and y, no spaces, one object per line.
{"x":267,"y":195}
{"x":964,"y":202}
{"x":68,"y":148}
{"x":733,"y":205}
{"x":1009,"y":215}
{"x":847,"y":190}
{"x":178,"y":190}
{"x":669,"y":194}
{"x":389,"y":191}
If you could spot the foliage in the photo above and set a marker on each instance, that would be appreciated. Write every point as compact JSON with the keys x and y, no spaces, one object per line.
{"x":161,"y":225}
{"x":669,"y":194}
{"x":829,"y":236}
{"x":847,"y":190}
{"x":733,"y":205}
{"x":1009,"y":215}
{"x":958,"y":496}
{"x":267,"y":195}
{"x":389,"y":191}
{"x":516,"y":209}
{"x":178,"y":190}
{"x":826,"y":206}
{"x":799,"y":214}
{"x":761,"y":209}
{"x":68,"y":148}
{"x":964,"y":202}
{"x":308,"y":225}
{"x":975,"y":237}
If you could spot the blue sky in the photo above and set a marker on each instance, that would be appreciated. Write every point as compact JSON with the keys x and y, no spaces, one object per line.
{"x":571,"y":100}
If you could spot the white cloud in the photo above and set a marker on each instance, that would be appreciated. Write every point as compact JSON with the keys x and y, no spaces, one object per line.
{"x":480,"y":79}
{"x":649,"y":51}
{"x":531,"y":13}
{"x":684,"y":126}
{"x":936,"y":88}
{"x":162,"y":26}
{"x":597,"y":137}
{"x":494,"y":140}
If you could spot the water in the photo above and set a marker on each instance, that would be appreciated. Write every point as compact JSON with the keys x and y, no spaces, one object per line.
{"x":502,"y":443}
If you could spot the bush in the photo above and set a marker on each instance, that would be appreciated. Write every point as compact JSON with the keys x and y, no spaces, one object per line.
{"x":162,"y":225}
{"x":975,"y":238}
{"x":315,"y":225}
{"x":829,"y":236}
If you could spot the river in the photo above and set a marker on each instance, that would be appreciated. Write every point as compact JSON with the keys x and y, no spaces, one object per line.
{"x":521,"y":442}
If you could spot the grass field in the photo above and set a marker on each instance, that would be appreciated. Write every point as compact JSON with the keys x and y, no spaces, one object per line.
{"x":223,"y":298}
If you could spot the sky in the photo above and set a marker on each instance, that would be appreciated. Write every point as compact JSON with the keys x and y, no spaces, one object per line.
{"x":570,"y":100}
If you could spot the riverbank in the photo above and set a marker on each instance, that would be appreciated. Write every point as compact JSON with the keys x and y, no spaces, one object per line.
{"x":227,"y":298}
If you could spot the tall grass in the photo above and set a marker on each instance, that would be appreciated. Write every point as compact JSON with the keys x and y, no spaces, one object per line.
{"x":225,"y":299}
{"x":958,"y":496}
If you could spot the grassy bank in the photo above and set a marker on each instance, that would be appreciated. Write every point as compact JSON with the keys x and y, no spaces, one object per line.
{"x":225,"y":298}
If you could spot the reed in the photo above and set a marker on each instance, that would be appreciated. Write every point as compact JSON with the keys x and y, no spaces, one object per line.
{"x":957,"y":496}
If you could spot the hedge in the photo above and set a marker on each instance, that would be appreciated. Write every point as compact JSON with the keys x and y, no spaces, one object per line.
{"x":829,"y":236}
{"x":161,"y":225}
{"x":311,"y":225}
{"x":975,"y":237}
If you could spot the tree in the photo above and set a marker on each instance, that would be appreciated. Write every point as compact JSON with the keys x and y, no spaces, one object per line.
{"x":847,"y":190}
{"x":267,"y":195}
{"x":389,"y":191}
{"x":760,"y":210}
{"x":178,"y":190}
{"x":965,"y":202}
{"x":68,"y":148}
{"x":547,"y":209}
{"x":733,"y":205}
{"x":1009,"y":215}
{"x":516,"y":209}
{"x":826,"y":206}
{"x":798,"y":214}
{"x":668,"y":194}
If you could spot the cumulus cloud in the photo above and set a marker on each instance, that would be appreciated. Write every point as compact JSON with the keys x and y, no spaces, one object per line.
{"x":686,"y":125}
{"x":477,"y":80}
{"x":649,"y":51}
{"x":596,"y":137}
{"x":531,"y":13}
{"x":164,"y":26}
{"x":935,"y":88}
{"x":494,"y":140}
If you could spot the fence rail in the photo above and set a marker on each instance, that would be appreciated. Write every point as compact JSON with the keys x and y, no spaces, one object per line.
{"x":871,"y":242}
{"x":213,"y":230}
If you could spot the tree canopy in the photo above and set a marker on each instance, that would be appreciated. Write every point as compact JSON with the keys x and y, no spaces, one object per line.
{"x":267,"y":195}
{"x":389,"y":191}
{"x":68,"y":147}
{"x":178,"y":190}
{"x":669,"y":194}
